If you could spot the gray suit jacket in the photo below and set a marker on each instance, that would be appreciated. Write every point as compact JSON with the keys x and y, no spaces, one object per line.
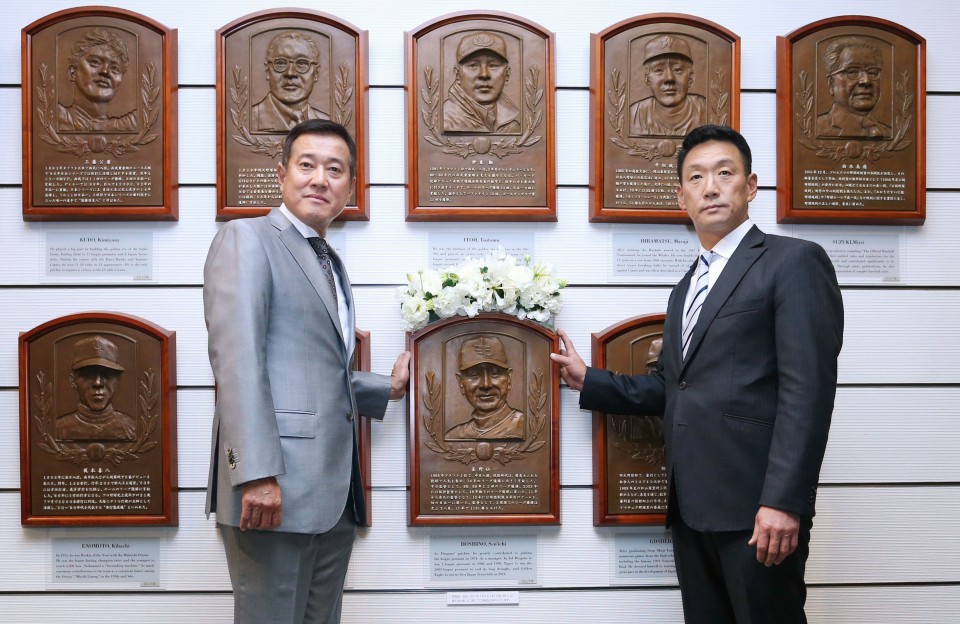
{"x":747,"y":412}
{"x":287,"y":399}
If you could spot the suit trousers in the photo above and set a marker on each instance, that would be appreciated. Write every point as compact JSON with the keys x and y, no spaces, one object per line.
{"x":721,"y":581}
{"x":289,"y":578}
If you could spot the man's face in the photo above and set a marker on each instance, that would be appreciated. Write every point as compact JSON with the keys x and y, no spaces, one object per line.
{"x":316,"y":182}
{"x":856,"y":85}
{"x":482,"y":76}
{"x":669,"y":77}
{"x":715,"y":190}
{"x":97,"y":74}
{"x":95,"y":386}
{"x":485,"y":385}
{"x":286,"y":82}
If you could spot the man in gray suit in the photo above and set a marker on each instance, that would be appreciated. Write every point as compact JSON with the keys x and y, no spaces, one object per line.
{"x":747,"y":401}
{"x":284,"y":468}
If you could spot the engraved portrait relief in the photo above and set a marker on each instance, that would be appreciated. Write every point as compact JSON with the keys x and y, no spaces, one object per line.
{"x":291,"y":68}
{"x":856,"y":105}
{"x":479,"y":415}
{"x":287,"y":80}
{"x":93,"y":410}
{"x":94,"y":92}
{"x":475,"y":101}
{"x":671,"y":110}
{"x":485,"y":380}
{"x":489,"y":92}
{"x":667,"y":81}
{"x":853,"y":68}
{"x":96,"y":65}
{"x":641,"y":437}
{"x":94,"y":374}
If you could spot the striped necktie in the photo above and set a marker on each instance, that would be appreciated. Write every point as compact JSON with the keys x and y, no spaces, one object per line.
{"x":700,"y":289}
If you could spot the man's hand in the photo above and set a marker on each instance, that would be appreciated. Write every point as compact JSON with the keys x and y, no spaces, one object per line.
{"x":261,"y":504}
{"x":775,"y":534}
{"x":400,"y":376}
{"x":572,"y":367}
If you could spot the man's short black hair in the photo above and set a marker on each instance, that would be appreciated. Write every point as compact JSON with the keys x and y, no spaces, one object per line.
{"x":323,"y":127}
{"x":724,"y":134}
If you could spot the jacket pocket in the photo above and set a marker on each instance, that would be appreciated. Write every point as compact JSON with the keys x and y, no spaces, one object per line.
{"x":748,"y":420}
{"x":296,"y":424}
{"x":740,"y":306}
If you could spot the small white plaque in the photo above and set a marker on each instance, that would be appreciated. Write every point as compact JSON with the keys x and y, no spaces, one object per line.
{"x":654,"y":254}
{"x":337,"y":240}
{"x":483,"y":598}
{"x":451,"y":248}
{"x":861,"y":258}
{"x":642,"y":556}
{"x":483,"y":561}
{"x":99,"y":256}
{"x":105,"y":562}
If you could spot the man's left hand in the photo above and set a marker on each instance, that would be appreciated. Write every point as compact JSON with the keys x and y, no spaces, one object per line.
{"x":400,"y":376}
{"x":775,"y":534}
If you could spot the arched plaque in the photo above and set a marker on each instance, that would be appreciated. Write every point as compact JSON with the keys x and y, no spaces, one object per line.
{"x":629,"y":466}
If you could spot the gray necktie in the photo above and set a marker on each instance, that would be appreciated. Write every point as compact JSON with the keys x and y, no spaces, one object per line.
{"x":700,"y":289}
{"x":323,"y":254}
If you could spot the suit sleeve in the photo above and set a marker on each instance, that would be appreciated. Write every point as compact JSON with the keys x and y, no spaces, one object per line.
{"x":236,"y":300}
{"x":808,"y":335}
{"x":372,"y":392}
{"x":642,"y":395}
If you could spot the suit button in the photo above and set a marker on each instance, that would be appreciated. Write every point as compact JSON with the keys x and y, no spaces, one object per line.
{"x":683,"y":385}
{"x":349,"y":415}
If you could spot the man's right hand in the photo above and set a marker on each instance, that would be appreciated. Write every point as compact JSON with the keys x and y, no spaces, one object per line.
{"x":261,"y":504}
{"x":572,"y":367}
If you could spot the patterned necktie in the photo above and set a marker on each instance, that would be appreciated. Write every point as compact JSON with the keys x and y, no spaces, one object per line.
{"x":323,"y":254}
{"x":700,"y":289}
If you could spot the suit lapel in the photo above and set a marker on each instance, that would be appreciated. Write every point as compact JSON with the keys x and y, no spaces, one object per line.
{"x":306,"y":258}
{"x":750,"y":248}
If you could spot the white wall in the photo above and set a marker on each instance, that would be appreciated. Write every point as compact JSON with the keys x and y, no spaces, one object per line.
{"x":886,"y":541}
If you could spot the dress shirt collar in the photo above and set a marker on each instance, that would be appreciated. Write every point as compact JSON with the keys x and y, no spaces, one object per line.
{"x":302,"y":227}
{"x":729,"y":243}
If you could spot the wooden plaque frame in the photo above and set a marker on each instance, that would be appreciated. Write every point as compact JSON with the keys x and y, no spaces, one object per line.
{"x":348,"y":104}
{"x":470,"y":463}
{"x":642,"y":327}
{"x":143,"y":349}
{"x":364,"y":435}
{"x":151,"y":142}
{"x":842,"y":154}
{"x":612,"y":144}
{"x":531,"y":148}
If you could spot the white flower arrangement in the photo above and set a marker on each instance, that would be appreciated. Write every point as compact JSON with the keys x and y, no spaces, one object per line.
{"x":497,"y":283}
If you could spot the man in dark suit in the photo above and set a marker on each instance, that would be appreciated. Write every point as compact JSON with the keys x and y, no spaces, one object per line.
{"x":284,"y":468}
{"x":747,"y":401}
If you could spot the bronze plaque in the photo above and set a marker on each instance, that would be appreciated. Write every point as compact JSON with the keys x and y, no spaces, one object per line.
{"x":851,"y":124}
{"x":484,"y":433}
{"x":98,"y":422}
{"x":99,"y":117}
{"x":361,"y":362}
{"x":274,"y":70}
{"x":653,"y":79}
{"x":480,"y":120}
{"x":629,"y":466}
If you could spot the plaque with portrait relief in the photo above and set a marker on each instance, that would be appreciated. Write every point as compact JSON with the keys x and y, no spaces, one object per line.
{"x":480,"y":120}
{"x":98,"y":425}
{"x":276,"y":69}
{"x":361,"y":362}
{"x":653,"y":79}
{"x":629,"y":464}
{"x":851,"y":123}
{"x":99,"y":117}
{"x":484,"y":426}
